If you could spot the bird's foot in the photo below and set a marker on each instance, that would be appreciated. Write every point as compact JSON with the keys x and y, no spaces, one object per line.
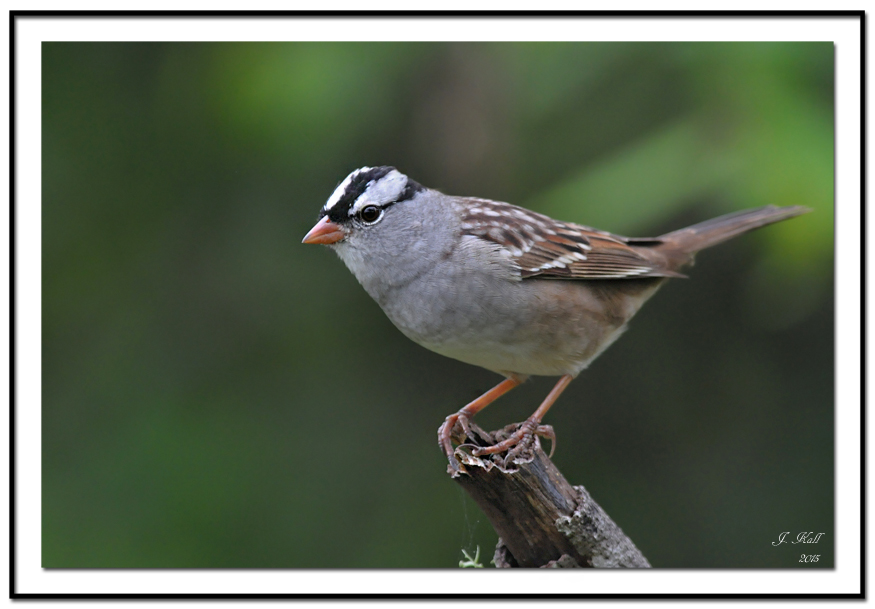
{"x":457,"y":427}
{"x":520,"y":441}
{"x":445,"y":437}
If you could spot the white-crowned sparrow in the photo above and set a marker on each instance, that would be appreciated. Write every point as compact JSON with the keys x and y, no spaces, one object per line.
{"x":502,"y":287}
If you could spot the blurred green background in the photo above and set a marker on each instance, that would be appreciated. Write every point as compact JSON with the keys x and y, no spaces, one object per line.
{"x":216,"y":394}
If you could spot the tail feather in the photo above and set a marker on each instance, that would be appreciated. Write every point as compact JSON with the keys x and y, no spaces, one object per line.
{"x":694,"y":238}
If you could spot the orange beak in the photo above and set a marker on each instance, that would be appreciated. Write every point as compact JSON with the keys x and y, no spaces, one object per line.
{"x":325,"y":232}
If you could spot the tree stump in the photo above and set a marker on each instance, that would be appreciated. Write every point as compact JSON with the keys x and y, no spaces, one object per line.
{"x":541,"y":519}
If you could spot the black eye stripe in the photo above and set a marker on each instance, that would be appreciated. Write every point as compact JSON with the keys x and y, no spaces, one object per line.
{"x":411,"y":189}
{"x":356,"y":188}
{"x":344,"y":208}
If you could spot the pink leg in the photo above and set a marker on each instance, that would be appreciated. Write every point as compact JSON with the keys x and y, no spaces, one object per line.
{"x":531,"y":425}
{"x":446,"y":430}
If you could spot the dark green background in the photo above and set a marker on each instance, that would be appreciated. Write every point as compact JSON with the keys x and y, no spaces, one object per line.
{"x":216,"y":394}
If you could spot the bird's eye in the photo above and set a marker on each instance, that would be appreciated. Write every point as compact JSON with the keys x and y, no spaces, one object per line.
{"x":371,"y":214}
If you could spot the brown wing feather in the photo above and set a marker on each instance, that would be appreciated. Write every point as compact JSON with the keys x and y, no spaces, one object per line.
{"x":607,"y":257}
{"x":546,"y":248}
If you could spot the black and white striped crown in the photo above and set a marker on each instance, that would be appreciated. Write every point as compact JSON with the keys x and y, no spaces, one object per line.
{"x":380,"y":186}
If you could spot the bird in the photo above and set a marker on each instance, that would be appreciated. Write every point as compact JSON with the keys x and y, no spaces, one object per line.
{"x":502,"y":287}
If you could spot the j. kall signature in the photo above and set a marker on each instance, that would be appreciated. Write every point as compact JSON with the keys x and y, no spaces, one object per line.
{"x":804,"y":537}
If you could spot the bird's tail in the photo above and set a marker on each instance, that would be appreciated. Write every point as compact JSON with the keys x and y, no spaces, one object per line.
{"x":697,"y":237}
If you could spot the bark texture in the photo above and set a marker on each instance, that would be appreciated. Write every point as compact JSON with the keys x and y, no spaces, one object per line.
{"x":541,"y":519}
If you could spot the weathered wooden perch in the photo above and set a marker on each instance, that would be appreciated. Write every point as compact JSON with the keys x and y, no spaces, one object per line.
{"x":541,"y":520}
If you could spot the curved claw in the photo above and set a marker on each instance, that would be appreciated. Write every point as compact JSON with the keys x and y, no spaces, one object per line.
{"x":445,"y":434}
{"x":445,"y":437}
{"x":546,"y":431}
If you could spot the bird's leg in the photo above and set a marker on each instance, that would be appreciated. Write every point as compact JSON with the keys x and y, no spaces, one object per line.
{"x":446,"y":430}
{"x":532,"y":425}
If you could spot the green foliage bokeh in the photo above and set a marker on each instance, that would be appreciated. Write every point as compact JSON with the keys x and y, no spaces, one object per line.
{"x":216,"y":394}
